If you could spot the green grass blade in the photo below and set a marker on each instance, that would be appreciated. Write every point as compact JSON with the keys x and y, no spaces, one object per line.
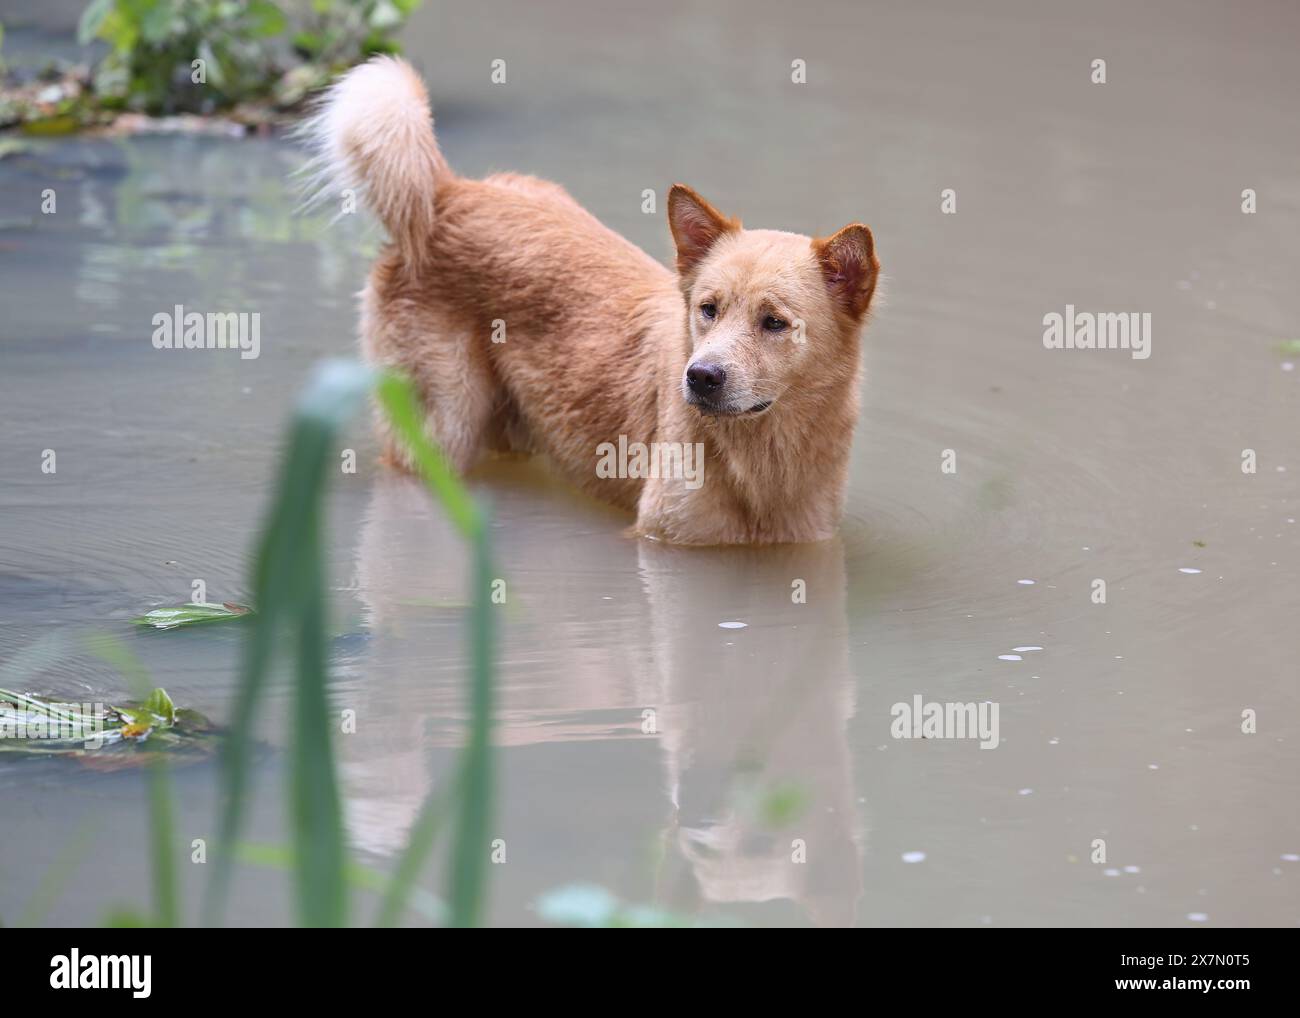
{"x":275,"y":558}
{"x":475,"y":779}
{"x":470,"y":853}
{"x":288,"y":588}
{"x":363,"y":878}
{"x":418,"y":845}
{"x":398,"y":398}
{"x":56,"y":876}
{"x":162,"y":840}
{"x":284,"y":556}
{"x":474,"y":782}
{"x":162,"y":823}
{"x":318,"y":830}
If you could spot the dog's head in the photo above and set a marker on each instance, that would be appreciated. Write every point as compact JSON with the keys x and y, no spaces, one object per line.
{"x":772,"y":315}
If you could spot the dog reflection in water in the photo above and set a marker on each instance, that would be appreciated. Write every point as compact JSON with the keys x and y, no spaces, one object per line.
{"x":750,"y":722}
{"x":752,"y":725}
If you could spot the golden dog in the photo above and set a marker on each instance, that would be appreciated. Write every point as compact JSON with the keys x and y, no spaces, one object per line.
{"x":729,"y":389}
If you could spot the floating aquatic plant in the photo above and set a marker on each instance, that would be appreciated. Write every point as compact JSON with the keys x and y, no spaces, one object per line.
{"x":104,"y":736}
{"x":193,"y":613}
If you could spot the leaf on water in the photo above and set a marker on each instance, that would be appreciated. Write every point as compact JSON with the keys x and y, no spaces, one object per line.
{"x":192,"y":614}
{"x":104,"y":737}
{"x":160,"y":705}
{"x":1289,"y":346}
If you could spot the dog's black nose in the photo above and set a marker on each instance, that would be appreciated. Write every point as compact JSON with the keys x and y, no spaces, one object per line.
{"x":705,"y":378}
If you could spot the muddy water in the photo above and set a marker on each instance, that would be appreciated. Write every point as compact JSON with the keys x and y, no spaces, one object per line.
{"x":771,"y":711}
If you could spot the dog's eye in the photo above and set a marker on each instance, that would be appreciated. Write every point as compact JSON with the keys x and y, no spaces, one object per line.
{"x":709,"y":310}
{"x":773,"y":324}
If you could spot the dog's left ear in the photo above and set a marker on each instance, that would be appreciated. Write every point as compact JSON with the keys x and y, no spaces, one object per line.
{"x":849,"y":266}
{"x":696,"y":227}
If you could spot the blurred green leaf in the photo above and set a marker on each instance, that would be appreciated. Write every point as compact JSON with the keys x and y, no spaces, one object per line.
{"x":157,"y":21}
{"x":265,"y":18}
{"x":289,"y":596}
{"x":384,"y":15}
{"x":474,"y":783}
{"x":127,"y":918}
{"x":156,"y":709}
{"x":418,"y":845}
{"x":309,"y":42}
{"x":92,"y":20}
{"x":289,"y":591}
{"x":398,"y":398}
{"x":280,"y":857}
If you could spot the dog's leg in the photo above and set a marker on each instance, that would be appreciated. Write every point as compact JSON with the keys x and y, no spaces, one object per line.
{"x":460,"y":395}
{"x":451,"y":369}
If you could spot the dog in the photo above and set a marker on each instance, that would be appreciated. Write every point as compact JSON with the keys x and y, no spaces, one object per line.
{"x":529,"y":327}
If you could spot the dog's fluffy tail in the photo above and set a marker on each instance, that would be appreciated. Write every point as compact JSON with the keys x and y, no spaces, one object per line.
{"x":372,"y":133}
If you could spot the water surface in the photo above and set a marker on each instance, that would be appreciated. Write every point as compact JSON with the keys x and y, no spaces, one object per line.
{"x":1072,"y":466}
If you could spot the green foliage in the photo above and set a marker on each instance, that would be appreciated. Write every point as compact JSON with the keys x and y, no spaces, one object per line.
{"x":337,"y":34}
{"x":126,"y":735}
{"x":168,"y":56}
{"x":194,"y":613}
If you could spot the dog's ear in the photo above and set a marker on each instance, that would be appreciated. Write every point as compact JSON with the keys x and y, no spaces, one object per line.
{"x":696,"y":226}
{"x":849,"y":266}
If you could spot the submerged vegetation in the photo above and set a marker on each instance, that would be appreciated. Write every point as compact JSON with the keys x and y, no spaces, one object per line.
{"x":251,"y":61}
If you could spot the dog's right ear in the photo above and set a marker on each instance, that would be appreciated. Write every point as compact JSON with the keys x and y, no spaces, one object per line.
{"x":696,"y":227}
{"x":850,"y":267}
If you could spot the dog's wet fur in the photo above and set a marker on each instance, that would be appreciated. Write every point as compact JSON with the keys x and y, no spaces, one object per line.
{"x":751,"y":348}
